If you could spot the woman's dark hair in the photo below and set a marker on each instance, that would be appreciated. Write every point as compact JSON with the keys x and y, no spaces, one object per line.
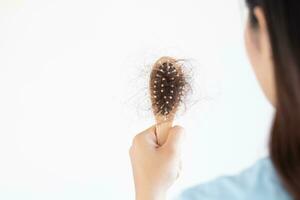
{"x":283,"y":21}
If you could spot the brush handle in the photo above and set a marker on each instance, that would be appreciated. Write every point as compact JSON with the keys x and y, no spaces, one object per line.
{"x":162,"y":131}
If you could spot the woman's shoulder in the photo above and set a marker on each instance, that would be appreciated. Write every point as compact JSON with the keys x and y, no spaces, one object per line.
{"x":258,"y":182}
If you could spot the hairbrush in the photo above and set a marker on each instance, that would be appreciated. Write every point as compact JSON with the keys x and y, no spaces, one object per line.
{"x":168,"y":86}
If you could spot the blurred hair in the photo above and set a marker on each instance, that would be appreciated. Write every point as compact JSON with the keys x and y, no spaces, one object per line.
{"x":283,"y":21}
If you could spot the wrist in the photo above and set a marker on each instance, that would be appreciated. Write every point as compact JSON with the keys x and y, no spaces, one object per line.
{"x":147,"y":195}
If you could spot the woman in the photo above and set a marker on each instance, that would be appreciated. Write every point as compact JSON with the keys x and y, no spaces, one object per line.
{"x":272,"y":39}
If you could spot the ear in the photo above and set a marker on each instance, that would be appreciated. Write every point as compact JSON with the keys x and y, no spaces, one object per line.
{"x":264,"y":38}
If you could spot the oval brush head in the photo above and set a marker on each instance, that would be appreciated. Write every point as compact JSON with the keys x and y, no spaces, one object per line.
{"x":167,"y":89}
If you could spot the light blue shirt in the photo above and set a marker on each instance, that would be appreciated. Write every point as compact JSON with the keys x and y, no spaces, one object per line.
{"x":260,"y":182}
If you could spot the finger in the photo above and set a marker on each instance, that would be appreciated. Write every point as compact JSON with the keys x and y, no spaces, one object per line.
{"x":178,"y":175}
{"x":179,"y":170}
{"x":147,"y":136}
{"x":175,"y":138}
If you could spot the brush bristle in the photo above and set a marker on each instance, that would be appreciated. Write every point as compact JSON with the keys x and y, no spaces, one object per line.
{"x":167,"y":86}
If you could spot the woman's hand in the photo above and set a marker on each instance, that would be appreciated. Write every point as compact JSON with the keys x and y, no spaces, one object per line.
{"x":155,"y":168}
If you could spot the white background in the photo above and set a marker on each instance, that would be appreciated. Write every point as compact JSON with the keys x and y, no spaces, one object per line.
{"x":72,"y":85}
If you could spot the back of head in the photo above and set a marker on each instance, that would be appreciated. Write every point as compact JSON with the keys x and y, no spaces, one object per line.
{"x":283,"y":22}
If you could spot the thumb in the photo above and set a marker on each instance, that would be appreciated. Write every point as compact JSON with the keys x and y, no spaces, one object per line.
{"x":175,"y":138}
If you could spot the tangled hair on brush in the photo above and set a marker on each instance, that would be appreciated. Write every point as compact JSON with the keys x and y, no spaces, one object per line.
{"x":168,"y":86}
